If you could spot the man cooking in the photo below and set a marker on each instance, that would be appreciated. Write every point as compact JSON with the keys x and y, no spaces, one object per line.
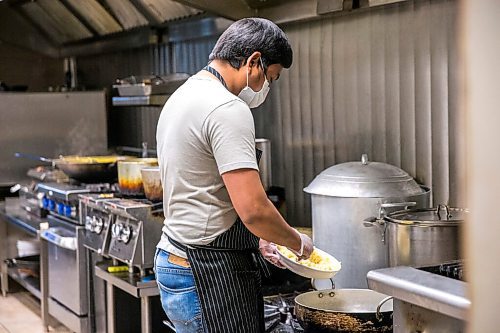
{"x":208,"y":265}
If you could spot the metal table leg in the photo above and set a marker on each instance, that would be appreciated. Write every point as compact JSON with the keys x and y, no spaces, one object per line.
{"x":4,"y":277}
{"x":110,"y":305}
{"x":44,"y":283}
{"x":146,"y":320}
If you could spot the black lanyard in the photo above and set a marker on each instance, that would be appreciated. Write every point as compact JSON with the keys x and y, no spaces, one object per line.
{"x":216,"y":74}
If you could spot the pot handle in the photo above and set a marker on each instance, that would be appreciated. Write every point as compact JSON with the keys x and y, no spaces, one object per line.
{"x":378,"y":314}
{"x":34,"y":157}
{"x":313,"y":283}
{"x":372,"y":221}
{"x":446,"y":209}
{"x":404,"y":205}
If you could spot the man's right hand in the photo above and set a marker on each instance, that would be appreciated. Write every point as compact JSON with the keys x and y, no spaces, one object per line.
{"x":306,"y":246}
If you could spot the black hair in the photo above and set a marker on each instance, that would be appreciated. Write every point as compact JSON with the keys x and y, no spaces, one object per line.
{"x":249,"y":35}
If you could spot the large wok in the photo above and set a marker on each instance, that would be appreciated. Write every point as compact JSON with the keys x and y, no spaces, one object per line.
{"x":344,"y":310}
{"x":86,"y":169}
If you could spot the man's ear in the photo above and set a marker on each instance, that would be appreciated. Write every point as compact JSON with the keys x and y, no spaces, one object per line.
{"x":253,"y":60}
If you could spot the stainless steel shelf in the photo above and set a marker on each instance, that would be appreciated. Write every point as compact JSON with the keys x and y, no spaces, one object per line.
{"x":30,"y":283}
{"x":130,"y":283}
{"x":151,"y":100}
{"x":21,"y":219}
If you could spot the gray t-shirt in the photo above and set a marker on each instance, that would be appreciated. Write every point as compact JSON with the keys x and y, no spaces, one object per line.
{"x":204,"y":130}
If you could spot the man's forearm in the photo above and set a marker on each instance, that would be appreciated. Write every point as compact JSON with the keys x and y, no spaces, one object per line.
{"x":268,"y":224}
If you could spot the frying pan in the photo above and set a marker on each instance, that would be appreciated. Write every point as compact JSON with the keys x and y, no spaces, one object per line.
{"x":86,"y":169}
{"x":344,"y":310}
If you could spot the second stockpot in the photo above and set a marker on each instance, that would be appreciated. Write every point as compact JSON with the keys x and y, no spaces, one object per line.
{"x":424,"y":237}
{"x":343,"y":197}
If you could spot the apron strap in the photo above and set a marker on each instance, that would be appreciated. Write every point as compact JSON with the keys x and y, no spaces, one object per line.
{"x":214,"y":72}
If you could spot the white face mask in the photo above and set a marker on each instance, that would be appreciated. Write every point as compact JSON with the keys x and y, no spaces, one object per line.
{"x":255,"y":98}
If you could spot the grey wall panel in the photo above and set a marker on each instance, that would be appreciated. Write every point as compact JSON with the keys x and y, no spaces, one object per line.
{"x":49,"y":124}
{"x":102,"y":70}
{"x":382,"y":82}
{"x":19,"y":66}
{"x":191,"y":56}
{"x":150,"y":116}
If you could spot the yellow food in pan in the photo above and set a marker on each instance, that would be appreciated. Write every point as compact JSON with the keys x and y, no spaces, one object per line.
{"x":317,"y":260}
{"x":89,"y":159}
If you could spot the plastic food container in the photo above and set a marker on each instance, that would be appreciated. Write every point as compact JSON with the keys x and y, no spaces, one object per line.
{"x":152,"y":183}
{"x":130,"y":176}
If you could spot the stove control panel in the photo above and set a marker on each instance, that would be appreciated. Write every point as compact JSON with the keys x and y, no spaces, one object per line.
{"x":97,"y":229}
{"x":62,"y":208}
{"x":121,"y":232}
{"x":124,"y":238}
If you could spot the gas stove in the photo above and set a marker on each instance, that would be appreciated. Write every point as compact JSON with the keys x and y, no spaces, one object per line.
{"x":135,"y":231}
{"x":279,"y":314}
{"x":97,"y":221}
{"x":122,"y":229}
{"x":453,"y":269}
{"x":61,"y":199}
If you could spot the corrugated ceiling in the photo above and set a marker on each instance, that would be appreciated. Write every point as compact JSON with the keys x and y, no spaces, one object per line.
{"x":65,"y":21}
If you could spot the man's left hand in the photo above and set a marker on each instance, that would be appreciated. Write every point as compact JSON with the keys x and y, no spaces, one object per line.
{"x":270,"y":252}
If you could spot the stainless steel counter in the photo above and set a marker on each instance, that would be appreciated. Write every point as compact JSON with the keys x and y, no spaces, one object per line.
{"x":423,"y":301}
{"x":135,"y":286}
{"x":11,"y":213}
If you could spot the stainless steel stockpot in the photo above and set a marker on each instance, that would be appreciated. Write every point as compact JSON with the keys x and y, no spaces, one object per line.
{"x":343,"y":197}
{"x":265,"y":162}
{"x":424,"y":237}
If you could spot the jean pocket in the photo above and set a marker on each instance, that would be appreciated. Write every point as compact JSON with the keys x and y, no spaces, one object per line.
{"x":171,"y":281}
{"x":180,"y":300}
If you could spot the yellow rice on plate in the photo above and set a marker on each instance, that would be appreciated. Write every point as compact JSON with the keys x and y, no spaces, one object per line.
{"x":318,"y":260}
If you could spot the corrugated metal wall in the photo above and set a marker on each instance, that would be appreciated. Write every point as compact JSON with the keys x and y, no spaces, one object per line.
{"x":186,"y":57}
{"x":382,"y":82}
{"x":102,"y":70}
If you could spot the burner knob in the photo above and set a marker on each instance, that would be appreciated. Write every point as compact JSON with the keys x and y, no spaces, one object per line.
{"x":60,"y":208}
{"x":125,"y":234}
{"x":88,"y":223}
{"x":45,"y":203}
{"x":73,"y":212}
{"x":68,"y":210}
{"x":98,"y":224}
{"x":52,"y":205}
{"x":116,"y":230}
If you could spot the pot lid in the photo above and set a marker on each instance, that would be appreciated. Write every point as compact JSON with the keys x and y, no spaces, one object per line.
{"x":440,"y":216}
{"x":364,"y":179}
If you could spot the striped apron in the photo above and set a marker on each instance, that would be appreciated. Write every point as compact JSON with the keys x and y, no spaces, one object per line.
{"x":227,"y":274}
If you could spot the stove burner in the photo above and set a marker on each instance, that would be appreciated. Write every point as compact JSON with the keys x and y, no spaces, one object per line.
{"x":452,"y":269}
{"x":102,"y":188}
{"x":279,"y":314}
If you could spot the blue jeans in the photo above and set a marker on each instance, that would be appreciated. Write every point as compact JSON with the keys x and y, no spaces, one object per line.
{"x":178,"y":294}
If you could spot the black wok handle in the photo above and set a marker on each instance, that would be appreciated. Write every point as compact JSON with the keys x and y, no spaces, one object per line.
{"x":34,"y":157}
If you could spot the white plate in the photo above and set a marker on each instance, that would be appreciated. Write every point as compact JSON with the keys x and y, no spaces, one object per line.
{"x":310,"y":272}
